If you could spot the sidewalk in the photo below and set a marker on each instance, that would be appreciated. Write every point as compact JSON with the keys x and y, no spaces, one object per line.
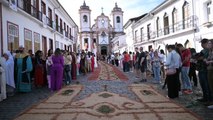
{"x":12,"y":106}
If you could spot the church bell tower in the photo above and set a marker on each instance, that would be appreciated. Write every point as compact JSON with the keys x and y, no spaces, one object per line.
{"x":85,"y":27}
{"x":117,"y":16}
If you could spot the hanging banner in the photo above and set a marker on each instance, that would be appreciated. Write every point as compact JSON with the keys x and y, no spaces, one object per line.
{"x":13,"y":4}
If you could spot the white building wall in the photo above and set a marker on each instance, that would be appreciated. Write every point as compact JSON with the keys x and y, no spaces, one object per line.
{"x":24,"y":20}
{"x":21,"y":20}
{"x":179,"y":36}
{"x":129,"y":38}
{"x":205,"y":24}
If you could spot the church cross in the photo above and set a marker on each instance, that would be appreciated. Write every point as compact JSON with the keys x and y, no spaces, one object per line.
{"x":102,"y":10}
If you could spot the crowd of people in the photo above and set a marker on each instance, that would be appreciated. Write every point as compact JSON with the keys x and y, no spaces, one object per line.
{"x":21,"y":70}
{"x":176,"y":70}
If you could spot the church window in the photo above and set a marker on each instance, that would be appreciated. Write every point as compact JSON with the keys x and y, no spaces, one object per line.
{"x":85,"y":18}
{"x":118,"y":19}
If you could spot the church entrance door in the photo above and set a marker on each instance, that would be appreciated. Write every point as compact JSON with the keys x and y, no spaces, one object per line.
{"x":103,"y":50}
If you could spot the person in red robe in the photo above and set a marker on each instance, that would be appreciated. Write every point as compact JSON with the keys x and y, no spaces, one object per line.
{"x":39,"y":69}
{"x":93,"y":62}
{"x":74,"y":66}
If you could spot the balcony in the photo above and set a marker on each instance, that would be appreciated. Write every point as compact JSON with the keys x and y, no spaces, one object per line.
{"x":188,"y":23}
{"x":31,"y":10}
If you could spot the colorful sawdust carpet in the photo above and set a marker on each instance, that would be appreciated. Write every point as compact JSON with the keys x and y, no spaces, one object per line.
{"x":107,"y":72}
{"x":107,"y":106}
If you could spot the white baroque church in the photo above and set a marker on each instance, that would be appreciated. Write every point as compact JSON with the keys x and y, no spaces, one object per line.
{"x":97,"y":38}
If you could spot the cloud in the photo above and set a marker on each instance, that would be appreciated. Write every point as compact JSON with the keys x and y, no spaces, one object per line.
{"x":131,"y":8}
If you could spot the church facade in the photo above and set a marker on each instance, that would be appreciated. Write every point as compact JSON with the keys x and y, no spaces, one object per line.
{"x":97,"y":38}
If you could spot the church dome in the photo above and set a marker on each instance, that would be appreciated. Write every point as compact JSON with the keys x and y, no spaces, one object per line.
{"x":116,"y":8}
{"x":84,"y":6}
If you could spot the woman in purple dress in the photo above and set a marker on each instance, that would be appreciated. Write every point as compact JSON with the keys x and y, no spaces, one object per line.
{"x":57,"y":70}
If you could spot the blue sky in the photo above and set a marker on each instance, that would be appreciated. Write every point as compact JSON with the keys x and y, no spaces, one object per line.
{"x":131,"y":8}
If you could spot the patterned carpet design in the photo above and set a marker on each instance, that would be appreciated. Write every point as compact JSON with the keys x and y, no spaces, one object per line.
{"x":105,"y":105}
{"x":107,"y":72}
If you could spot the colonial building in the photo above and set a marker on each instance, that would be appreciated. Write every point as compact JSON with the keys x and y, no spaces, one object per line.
{"x":36,"y":25}
{"x":97,"y":38}
{"x":174,"y":21}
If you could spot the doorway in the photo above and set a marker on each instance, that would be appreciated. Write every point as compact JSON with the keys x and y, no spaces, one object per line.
{"x":44,"y":45}
{"x":103,"y":50}
{"x":50,"y":44}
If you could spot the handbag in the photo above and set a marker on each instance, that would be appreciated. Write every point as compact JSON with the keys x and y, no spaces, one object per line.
{"x":171,"y":71}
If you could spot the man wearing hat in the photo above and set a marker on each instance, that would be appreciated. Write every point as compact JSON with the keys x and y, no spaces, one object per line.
{"x":23,"y":67}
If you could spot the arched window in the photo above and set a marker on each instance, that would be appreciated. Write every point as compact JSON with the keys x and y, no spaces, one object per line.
{"x":158,"y":26}
{"x":166,"y":23}
{"x":85,"y":18}
{"x":186,"y":14}
{"x":174,"y":20}
{"x":118,"y":19}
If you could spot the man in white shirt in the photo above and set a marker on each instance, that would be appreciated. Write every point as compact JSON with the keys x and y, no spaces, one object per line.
{"x":173,"y":61}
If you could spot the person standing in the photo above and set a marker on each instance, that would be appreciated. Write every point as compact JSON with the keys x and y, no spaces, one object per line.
{"x":137,"y":63}
{"x":117,"y":59}
{"x":126,"y":62}
{"x":121,"y":59}
{"x":49,"y":63}
{"x":9,"y":72}
{"x":143,"y":65}
{"x":74,"y":66}
{"x":209,"y":62}
{"x":89,"y":62}
{"x":57,"y":70}
{"x":173,"y":61}
{"x":185,"y":56}
{"x":78,"y":58}
{"x":93,"y":62}
{"x":3,"y":94}
{"x":39,"y":69}
{"x":156,"y":63}
{"x":163,"y":61}
{"x":23,"y":66}
{"x":67,"y":67}
{"x":192,"y":70}
{"x":131,"y":62}
{"x":112,"y":59}
{"x":202,"y":71}
{"x":82,"y":64}
{"x":32,"y":56}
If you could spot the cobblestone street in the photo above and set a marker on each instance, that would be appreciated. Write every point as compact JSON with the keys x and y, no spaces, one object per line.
{"x":14,"y":106}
